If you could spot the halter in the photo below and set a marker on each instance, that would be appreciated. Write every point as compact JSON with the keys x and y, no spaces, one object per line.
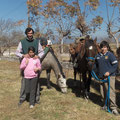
{"x":90,"y":59}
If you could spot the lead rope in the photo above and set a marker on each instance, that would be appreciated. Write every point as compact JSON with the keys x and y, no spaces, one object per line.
{"x":107,"y":101}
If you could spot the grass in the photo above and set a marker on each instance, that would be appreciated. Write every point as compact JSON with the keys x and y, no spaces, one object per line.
{"x":53,"y":104}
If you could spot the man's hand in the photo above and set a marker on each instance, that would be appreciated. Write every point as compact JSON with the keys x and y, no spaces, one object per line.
{"x":27,"y":61}
{"x":35,"y":57}
{"x":26,"y":56}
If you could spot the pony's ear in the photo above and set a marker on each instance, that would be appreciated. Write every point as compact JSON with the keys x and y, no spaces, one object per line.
{"x":59,"y":75}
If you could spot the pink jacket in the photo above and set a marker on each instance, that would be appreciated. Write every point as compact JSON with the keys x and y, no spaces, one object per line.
{"x":29,"y":68}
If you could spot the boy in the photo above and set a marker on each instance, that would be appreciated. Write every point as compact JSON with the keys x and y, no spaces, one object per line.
{"x":106,"y":64}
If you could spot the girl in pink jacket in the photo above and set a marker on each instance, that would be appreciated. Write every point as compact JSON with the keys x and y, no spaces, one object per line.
{"x":31,"y":66}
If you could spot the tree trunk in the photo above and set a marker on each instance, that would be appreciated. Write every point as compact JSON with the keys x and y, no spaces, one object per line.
{"x":116,"y":40}
{"x":62,"y":45}
{"x":9,"y":51}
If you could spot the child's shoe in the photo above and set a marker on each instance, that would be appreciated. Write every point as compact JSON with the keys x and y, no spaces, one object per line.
{"x":31,"y":106}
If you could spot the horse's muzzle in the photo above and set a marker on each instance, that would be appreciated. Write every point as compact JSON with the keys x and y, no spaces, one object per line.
{"x":64,"y":90}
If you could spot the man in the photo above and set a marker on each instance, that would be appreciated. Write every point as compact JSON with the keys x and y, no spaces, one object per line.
{"x":22,"y":51}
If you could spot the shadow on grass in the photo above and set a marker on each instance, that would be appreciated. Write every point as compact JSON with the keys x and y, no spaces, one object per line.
{"x":75,"y":90}
{"x":43,"y":82}
{"x":94,"y":97}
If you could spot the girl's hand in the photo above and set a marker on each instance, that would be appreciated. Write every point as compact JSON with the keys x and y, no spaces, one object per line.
{"x":27,"y":61}
{"x":106,"y":74}
{"x":36,"y":69}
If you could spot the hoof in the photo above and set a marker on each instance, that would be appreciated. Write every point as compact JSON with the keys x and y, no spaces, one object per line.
{"x":49,"y":87}
{"x":87,"y":95}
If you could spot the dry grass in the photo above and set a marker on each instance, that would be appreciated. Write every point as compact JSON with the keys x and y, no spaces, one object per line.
{"x":54,"y":105}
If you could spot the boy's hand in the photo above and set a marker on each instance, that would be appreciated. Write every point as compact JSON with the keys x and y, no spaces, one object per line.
{"x":106,"y":74}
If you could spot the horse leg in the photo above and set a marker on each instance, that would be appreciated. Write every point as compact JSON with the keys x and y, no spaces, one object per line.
{"x":75,"y":81}
{"x":48,"y":79}
{"x":38,"y":89}
{"x":80,"y":83}
{"x":89,"y":82}
{"x":85,"y":85}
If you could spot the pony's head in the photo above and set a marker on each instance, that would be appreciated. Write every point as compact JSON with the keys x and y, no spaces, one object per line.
{"x":72,"y":49}
{"x":62,"y":83}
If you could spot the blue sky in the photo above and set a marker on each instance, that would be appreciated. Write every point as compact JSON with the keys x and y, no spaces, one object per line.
{"x":17,"y":10}
{"x":13,"y":9}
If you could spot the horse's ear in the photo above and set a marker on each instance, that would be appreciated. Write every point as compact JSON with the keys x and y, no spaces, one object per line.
{"x":95,"y":40}
{"x":87,"y":37}
{"x":84,"y":42}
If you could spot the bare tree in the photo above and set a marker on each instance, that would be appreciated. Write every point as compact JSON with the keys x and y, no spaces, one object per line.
{"x":113,"y":20}
{"x":55,"y":11}
{"x":34,"y":8}
{"x":64,"y":17}
{"x":6,"y":34}
{"x":81,"y":10}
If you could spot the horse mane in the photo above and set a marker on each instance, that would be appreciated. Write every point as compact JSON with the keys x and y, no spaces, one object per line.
{"x":59,"y":65}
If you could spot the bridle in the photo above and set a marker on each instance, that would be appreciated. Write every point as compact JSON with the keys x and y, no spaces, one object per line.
{"x":90,"y":55}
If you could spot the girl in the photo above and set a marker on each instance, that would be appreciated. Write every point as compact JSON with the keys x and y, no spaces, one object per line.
{"x":106,"y":64}
{"x":31,"y":67}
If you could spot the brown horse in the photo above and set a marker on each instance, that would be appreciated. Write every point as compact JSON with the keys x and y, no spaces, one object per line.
{"x":85,"y":52}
